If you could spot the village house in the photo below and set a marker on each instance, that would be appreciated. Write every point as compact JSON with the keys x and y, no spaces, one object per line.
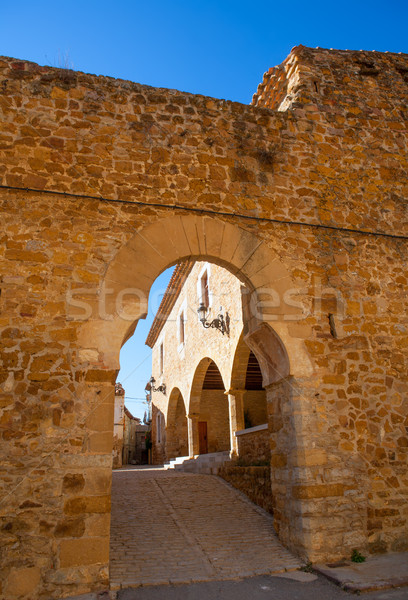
{"x":208,"y":395}
{"x":118,"y":426}
{"x":129,"y":434}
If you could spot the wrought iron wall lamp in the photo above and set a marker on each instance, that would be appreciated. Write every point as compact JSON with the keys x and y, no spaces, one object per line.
{"x":218,"y":323}
{"x":150,"y":386}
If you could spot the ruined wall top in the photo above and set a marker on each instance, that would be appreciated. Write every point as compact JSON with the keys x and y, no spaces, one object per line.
{"x":307,"y":75}
{"x":336,"y":78}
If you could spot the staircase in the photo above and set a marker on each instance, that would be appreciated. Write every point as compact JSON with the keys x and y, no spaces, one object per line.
{"x":201,"y":463}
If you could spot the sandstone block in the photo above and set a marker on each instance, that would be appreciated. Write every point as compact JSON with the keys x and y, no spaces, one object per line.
{"x":318,"y":491}
{"x":85,"y":551}
{"x":73,"y":482}
{"x":69,"y":528}
{"x":101,"y":418}
{"x":100,"y":442}
{"x":22,"y":582}
{"x":87,"y":504}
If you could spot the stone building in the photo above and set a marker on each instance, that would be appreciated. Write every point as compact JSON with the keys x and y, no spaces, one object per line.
{"x":209,"y":394}
{"x":118,"y":426}
{"x":129,"y":434}
{"x":134,"y":440}
{"x":302,"y":195}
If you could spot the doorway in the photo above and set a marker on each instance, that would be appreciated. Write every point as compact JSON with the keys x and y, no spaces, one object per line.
{"x":202,"y":437}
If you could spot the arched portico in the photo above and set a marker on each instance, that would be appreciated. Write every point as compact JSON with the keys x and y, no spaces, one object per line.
{"x":281,"y":393}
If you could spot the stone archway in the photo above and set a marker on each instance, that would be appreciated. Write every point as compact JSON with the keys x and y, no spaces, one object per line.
{"x":176,"y":426}
{"x":125,"y":289}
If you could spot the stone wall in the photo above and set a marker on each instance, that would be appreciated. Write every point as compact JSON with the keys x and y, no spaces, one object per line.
{"x":91,"y":171}
{"x":254,"y":482}
{"x":254,"y":445}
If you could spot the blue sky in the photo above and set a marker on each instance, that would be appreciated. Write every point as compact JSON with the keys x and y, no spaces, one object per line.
{"x":218,"y":48}
{"x":215,"y":47}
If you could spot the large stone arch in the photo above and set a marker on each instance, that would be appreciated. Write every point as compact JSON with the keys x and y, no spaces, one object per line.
{"x":124,"y":291}
{"x":69,"y":205}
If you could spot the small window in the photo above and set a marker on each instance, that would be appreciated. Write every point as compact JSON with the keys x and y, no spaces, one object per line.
{"x":161,"y":358}
{"x":181,"y":327}
{"x":205,"y":293}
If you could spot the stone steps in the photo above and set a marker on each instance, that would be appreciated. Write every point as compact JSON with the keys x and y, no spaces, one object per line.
{"x":201,"y":463}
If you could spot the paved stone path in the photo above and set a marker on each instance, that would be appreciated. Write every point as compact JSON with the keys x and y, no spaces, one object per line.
{"x":170,"y":527}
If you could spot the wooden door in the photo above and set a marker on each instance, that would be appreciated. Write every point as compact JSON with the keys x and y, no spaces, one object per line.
{"x":202,"y":437}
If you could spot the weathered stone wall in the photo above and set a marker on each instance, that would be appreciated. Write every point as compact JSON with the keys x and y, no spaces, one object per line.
{"x":335,"y":157}
{"x":254,"y":482}
{"x":254,"y":446}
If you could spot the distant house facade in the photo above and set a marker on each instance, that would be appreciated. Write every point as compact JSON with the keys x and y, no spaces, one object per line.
{"x":214,"y":399}
{"x":118,"y":426}
{"x":129,"y":436}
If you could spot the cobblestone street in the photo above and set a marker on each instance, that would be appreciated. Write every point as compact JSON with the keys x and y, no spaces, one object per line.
{"x":170,"y":527}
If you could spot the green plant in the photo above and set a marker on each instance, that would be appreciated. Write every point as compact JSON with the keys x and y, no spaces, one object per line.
{"x":357,"y":557}
{"x":307,"y":568}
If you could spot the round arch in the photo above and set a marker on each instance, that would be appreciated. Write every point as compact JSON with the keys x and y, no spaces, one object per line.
{"x":122,"y":298}
{"x":197,"y":384}
{"x":176,"y":426}
{"x":247,"y":388}
{"x":270,"y":352}
{"x":124,"y":289}
{"x":208,"y":409}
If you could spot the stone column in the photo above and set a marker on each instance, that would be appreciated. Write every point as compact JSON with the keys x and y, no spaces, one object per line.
{"x":236,"y":415}
{"x":192,"y":425}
